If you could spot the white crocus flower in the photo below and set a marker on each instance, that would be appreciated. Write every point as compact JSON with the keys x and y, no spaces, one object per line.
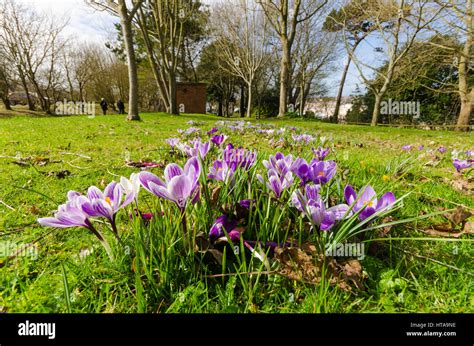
{"x":131,"y":186}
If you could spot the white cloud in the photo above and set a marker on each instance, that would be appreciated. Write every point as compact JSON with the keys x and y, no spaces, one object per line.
{"x":85,"y":23}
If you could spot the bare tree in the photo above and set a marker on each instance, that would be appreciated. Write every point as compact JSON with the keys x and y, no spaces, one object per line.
{"x":397,"y":36}
{"x":312,"y":56}
{"x":240,"y":30}
{"x":32,"y":42}
{"x":357,"y":27}
{"x":285,"y":17}
{"x":458,"y":22}
{"x":161,"y":23}
{"x":6,"y":83}
{"x":120,"y":9}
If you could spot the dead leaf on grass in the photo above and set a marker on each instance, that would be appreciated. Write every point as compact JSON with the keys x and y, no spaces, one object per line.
{"x":215,"y":195}
{"x":458,"y":216}
{"x":306,"y":264}
{"x":456,"y":227}
{"x":461,"y":183}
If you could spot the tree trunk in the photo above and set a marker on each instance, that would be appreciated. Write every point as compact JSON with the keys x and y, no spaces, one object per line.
{"x":302,"y":99}
{"x":465,"y":113}
{"x":335,"y":116}
{"x":242,"y":100}
{"x":6,"y":102}
{"x":219,"y":109}
{"x":31,"y":105}
{"x":126,"y":24}
{"x":376,"y":111}
{"x":284,"y":76}
{"x":249,"y":100}
{"x":466,"y":95}
{"x":173,"y":101}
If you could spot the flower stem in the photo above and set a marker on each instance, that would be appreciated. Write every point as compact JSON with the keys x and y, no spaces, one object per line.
{"x":115,"y":230}
{"x":103,"y":241}
{"x":183,"y":221}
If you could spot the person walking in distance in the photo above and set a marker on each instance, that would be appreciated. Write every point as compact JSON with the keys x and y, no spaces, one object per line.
{"x":121,"y":106}
{"x":104,"y":106}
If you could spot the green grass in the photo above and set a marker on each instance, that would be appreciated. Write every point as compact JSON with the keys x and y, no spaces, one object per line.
{"x":153,"y":275}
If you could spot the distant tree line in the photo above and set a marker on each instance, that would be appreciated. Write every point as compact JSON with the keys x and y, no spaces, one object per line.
{"x":270,"y":56}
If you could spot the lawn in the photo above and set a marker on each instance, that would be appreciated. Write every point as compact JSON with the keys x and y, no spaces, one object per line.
{"x":407,"y":267}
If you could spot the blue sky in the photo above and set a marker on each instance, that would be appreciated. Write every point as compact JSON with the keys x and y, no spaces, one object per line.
{"x":87,"y":24}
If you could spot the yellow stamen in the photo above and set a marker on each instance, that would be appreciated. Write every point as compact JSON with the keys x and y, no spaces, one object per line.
{"x":107,"y":199}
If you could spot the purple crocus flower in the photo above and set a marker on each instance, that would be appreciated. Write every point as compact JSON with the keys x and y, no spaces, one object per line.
{"x":234,"y":236}
{"x":301,"y":168}
{"x":246,"y":203}
{"x":303,"y":138}
{"x":108,"y":203}
{"x":180,"y":185}
{"x":172,"y":142}
{"x":320,"y":172}
{"x":442,"y":149}
{"x":217,"y":228}
{"x":192,"y":130}
{"x":222,"y":171}
{"x":218,"y":139}
{"x":407,"y":147}
{"x":72,"y":214}
{"x":321,"y":153}
{"x":367,"y":201}
{"x":461,"y":164}
{"x":69,"y":214}
{"x":280,"y":163}
{"x":421,"y":147}
{"x":277,"y":182}
{"x":212,"y":131}
{"x":313,"y":207}
{"x":197,"y":148}
{"x":241,"y":157}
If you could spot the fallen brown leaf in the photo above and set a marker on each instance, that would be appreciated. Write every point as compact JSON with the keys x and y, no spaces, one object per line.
{"x":458,"y":216}
{"x":306,"y":265}
{"x":215,"y":195}
{"x":461,"y":183}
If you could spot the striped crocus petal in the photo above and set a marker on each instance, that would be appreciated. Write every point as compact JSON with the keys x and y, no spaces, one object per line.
{"x":172,"y":170}
{"x":103,"y":208}
{"x":317,"y":212}
{"x":94,"y":193}
{"x":340,"y":211}
{"x":192,"y":168}
{"x":180,"y":189}
{"x":146,"y":178}
{"x":113,"y":195}
{"x":312,"y":191}
{"x":159,"y":190}
{"x":298,"y":200}
{"x":274,"y":184}
{"x":71,"y":195}
{"x":54,"y":222}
